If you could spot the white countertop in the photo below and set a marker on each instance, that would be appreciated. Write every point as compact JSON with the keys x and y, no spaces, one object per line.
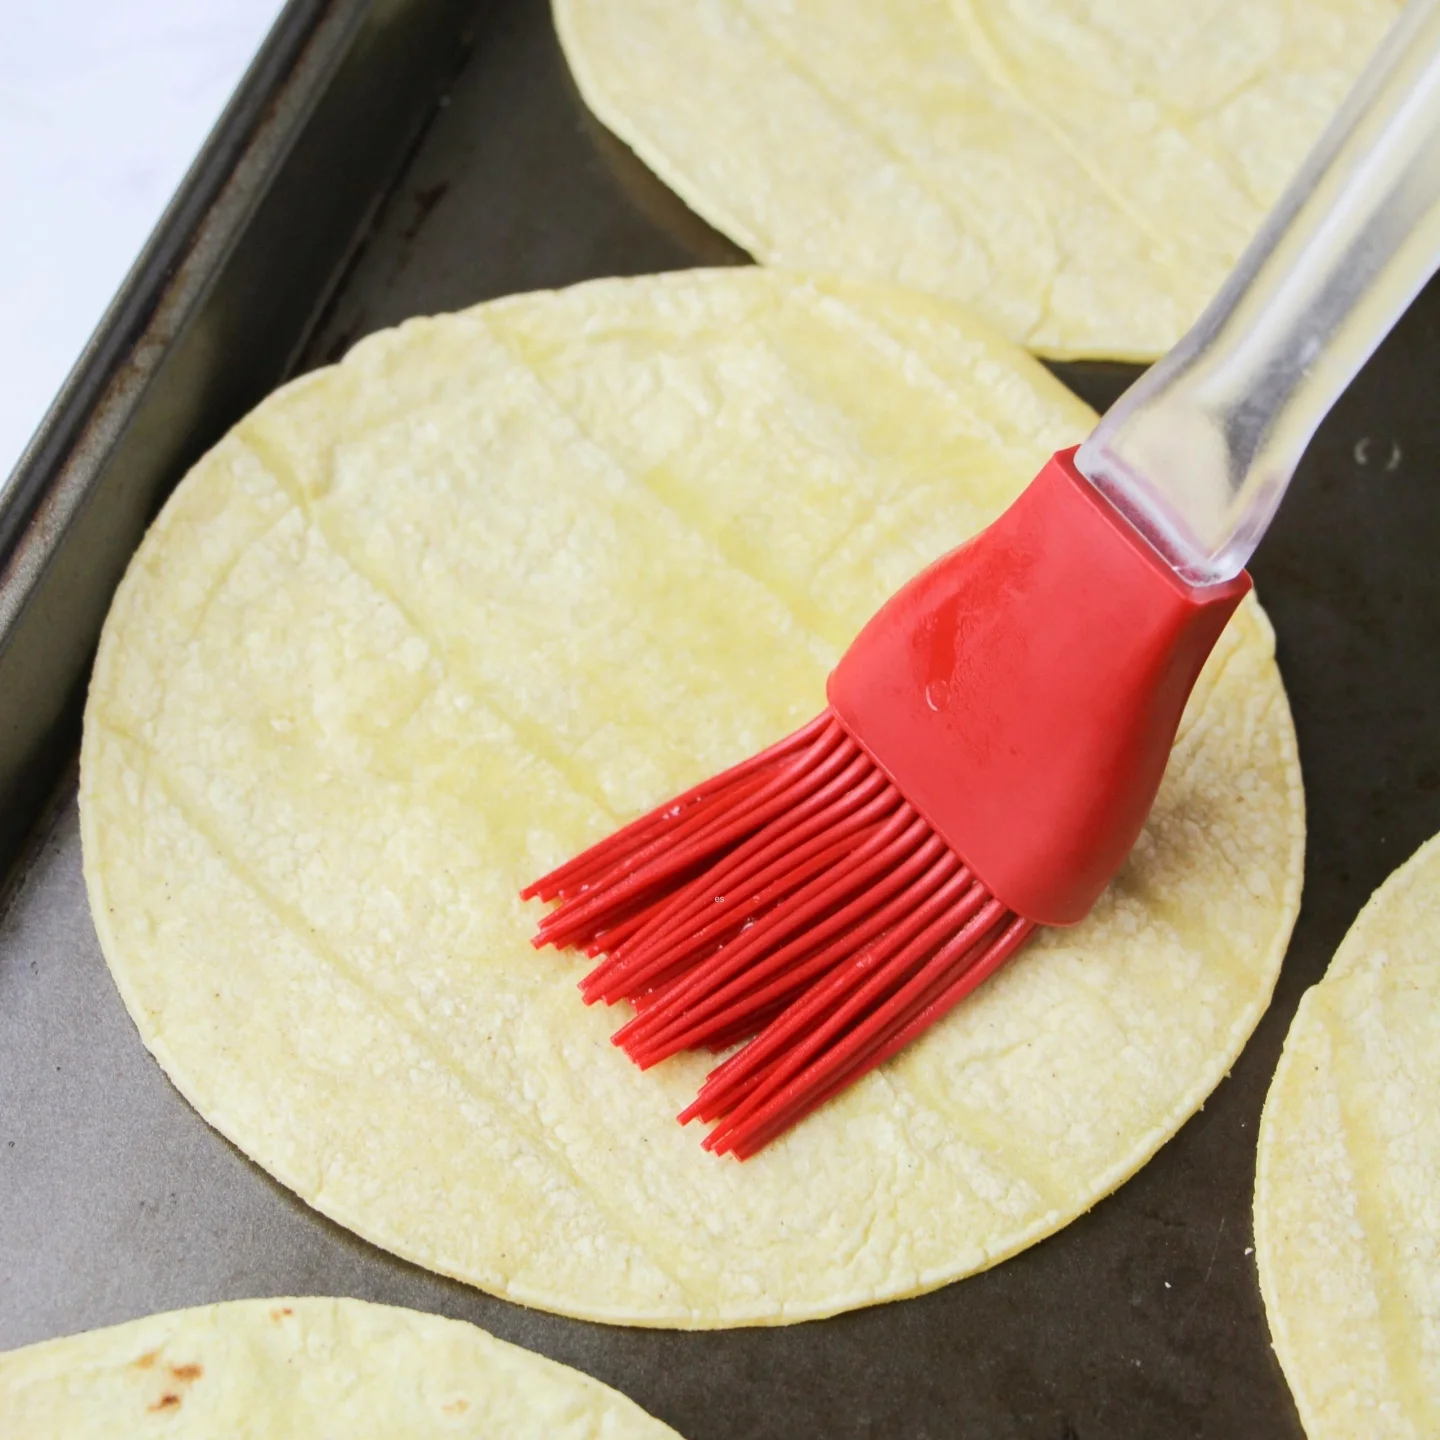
{"x":103,"y":105}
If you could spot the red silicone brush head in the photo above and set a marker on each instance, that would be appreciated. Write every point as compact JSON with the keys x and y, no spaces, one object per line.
{"x":994,"y":741}
{"x":796,"y":899}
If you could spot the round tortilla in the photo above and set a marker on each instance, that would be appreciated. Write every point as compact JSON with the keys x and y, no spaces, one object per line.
{"x":432,"y":620}
{"x":1084,"y":173}
{"x":1347,"y":1191}
{"x":300,"y":1369}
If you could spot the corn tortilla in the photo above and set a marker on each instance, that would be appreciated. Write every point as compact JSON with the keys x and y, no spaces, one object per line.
{"x":431,"y":620}
{"x":302,"y":1369}
{"x":1084,"y":173}
{"x":1347,"y":1190}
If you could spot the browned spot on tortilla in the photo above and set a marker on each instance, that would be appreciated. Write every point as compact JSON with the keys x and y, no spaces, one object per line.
{"x":278,"y":1315}
{"x":168,"y":1401}
{"x":457,"y":1407}
{"x":147,"y":1360}
{"x":187,"y":1373}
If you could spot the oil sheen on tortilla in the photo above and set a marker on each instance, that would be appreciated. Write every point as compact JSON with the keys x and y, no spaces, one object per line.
{"x":429,"y":621}
{"x":1347,"y":1193}
{"x":1084,"y":173}
{"x":303,"y":1369}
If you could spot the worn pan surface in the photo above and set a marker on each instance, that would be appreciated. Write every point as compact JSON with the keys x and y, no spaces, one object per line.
{"x":320,"y":214}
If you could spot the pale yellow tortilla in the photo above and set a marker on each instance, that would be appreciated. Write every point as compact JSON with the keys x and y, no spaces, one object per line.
{"x":431,"y":620}
{"x":1083,"y":172}
{"x":1347,"y":1193}
{"x":303,"y":1369}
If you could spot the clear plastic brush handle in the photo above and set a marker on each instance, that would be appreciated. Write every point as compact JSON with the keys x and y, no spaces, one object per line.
{"x":1198,"y":452}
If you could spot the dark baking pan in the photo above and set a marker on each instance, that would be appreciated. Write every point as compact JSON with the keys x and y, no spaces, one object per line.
{"x":418,"y":155}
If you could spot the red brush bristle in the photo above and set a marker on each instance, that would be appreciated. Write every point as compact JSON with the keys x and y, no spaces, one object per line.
{"x":797,"y":902}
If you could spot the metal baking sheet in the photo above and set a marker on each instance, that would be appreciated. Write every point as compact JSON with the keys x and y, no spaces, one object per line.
{"x":484,"y":176}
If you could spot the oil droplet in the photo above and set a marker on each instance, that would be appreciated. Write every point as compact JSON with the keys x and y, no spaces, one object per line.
{"x":937,"y":694}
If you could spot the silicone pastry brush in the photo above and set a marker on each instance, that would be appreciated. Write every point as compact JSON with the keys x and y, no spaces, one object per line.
{"x":996,"y":734}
